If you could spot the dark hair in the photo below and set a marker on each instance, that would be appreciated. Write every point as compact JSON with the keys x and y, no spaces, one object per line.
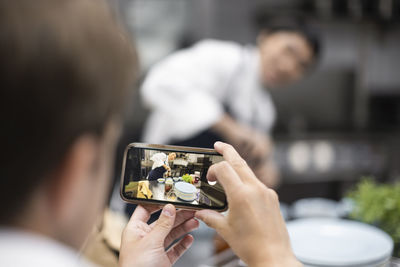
{"x":292,"y":22}
{"x":66,"y":67}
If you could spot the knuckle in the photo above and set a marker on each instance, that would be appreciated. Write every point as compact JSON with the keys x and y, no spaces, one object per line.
{"x":226,"y":146}
{"x":273,"y":195}
{"x":211,"y":223}
{"x":223,"y":165}
{"x":239,"y":163}
{"x":164,"y":224}
{"x":180,"y":248}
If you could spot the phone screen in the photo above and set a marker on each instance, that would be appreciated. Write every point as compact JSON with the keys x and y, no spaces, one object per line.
{"x":172,"y":176}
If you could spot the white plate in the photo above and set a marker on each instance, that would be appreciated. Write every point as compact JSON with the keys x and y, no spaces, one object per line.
{"x":185,"y":188}
{"x":185,"y":191}
{"x":189,"y":200}
{"x":336,"y":242}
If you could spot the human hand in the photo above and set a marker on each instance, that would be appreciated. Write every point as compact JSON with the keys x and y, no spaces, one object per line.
{"x":145,"y":245}
{"x":267,"y":172}
{"x":254,"y":227}
{"x":254,"y":146}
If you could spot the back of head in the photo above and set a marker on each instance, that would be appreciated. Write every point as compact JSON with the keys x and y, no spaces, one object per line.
{"x":65,"y":69}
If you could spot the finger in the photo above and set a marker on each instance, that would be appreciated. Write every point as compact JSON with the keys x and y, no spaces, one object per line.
{"x":181,"y":217}
{"x":238,"y":163}
{"x":226,"y":175}
{"x":179,"y":248}
{"x":212,"y":218}
{"x":164,"y":224}
{"x":181,"y":230}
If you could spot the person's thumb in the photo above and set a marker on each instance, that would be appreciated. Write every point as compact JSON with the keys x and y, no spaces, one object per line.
{"x":165,"y":223}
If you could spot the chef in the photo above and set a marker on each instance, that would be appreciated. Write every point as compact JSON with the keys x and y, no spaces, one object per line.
{"x":218,"y":90}
{"x":160,"y":165}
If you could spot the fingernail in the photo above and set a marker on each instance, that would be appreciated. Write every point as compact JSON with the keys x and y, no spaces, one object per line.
{"x":218,"y":143}
{"x":168,"y":210}
{"x":198,"y":223}
{"x":188,"y":242}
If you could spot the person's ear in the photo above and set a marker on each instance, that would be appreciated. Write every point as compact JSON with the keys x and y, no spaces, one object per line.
{"x":72,"y":178}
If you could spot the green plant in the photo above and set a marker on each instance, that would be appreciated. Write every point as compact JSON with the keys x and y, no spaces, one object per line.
{"x":378,"y":204}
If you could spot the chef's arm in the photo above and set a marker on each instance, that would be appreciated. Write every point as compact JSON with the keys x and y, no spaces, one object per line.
{"x":225,"y":126}
{"x":166,"y":167}
{"x":255,"y":147}
{"x":252,"y":144}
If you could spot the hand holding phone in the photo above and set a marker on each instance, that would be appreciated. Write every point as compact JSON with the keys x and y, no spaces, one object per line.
{"x":146,"y":245}
{"x":254,"y":227}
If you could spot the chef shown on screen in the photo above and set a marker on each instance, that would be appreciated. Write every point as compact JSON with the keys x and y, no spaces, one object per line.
{"x":218,"y":90}
{"x":160,"y":165}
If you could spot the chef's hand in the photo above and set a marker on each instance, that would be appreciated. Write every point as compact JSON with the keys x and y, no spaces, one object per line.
{"x":267,"y":172}
{"x":252,"y":145}
{"x":145,"y":245}
{"x":254,"y":227}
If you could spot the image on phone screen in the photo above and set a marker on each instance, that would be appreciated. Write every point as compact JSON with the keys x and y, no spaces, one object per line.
{"x":171,"y":176}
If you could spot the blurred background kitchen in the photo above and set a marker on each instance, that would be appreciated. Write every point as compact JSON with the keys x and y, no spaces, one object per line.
{"x":333,"y":128}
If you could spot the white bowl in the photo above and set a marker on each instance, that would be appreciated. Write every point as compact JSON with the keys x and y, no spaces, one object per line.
{"x":161,"y":180}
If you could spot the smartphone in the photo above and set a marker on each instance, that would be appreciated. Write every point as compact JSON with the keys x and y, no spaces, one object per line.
{"x":161,"y":174}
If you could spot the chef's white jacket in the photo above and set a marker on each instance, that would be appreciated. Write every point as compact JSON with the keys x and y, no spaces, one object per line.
{"x":189,"y":91}
{"x":159,"y":159}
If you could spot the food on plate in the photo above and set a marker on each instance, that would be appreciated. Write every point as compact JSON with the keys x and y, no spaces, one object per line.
{"x":188,"y":178}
